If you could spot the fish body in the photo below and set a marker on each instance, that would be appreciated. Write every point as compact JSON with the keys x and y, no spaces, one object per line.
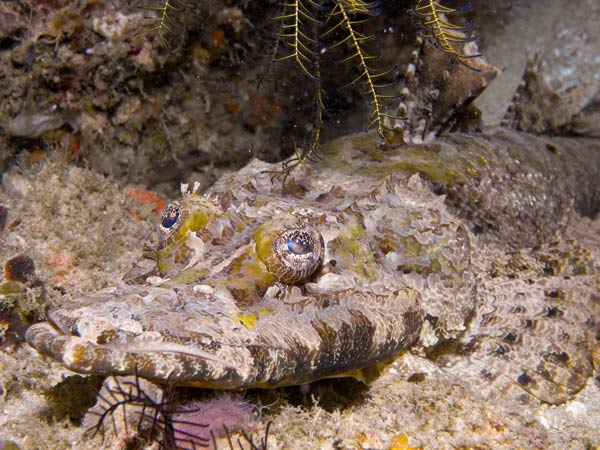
{"x":356,"y":261}
{"x":450,"y":246}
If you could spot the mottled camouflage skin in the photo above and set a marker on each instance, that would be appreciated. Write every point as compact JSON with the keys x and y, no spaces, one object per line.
{"x":223,"y":321}
{"x":400,"y":269}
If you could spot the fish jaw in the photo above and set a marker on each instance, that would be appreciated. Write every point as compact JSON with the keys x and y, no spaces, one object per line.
{"x":389,"y":255}
{"x":265,"y":347}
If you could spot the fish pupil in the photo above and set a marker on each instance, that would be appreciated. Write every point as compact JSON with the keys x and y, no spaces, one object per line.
{"x":299,"y":243}
{"x":170,"y":218}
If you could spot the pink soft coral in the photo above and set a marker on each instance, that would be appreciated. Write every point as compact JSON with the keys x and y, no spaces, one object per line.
{"x":194,"y":423}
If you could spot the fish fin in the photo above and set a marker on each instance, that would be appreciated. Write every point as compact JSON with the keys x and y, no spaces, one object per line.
{"x":536,"y":108}
{"x":587,"y":121}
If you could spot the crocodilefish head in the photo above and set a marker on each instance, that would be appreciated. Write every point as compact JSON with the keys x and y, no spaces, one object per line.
{"x":256,"y":286}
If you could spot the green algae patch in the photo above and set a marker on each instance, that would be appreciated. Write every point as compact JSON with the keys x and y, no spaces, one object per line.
{"x":352,"y":252}
{"x":334,"y":157}
{"x":240,"y":227}
{"x":263,"y":238}
{"x":246,"y":277}
{"x":367,"y":144}
{"x":190,"y":276}
{"x":173,"y":255}
{"x":249,"y":267}
{"x":432,"y":165}
{"x":203,"y":212}
{"x":412,"y":247}
{"x":365,"y":140}
{"x":9,"y":445}
{"x":429,"y":160}
{"x":261,"y":201}
{"x":250,"y":318}
{"x":199,"y":212}
{"x":12,"y":288}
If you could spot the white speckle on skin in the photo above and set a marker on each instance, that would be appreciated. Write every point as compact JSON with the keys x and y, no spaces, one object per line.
{"x":203,"y":289}
{"x":156,"y":280}
{"x":272,"y":292}
{"x":330,"y":282}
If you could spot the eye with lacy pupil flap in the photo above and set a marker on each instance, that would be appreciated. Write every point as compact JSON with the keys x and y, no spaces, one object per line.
{"x":291,"y":252}
{"x":299,"y":243}
{"x":170,"y":216}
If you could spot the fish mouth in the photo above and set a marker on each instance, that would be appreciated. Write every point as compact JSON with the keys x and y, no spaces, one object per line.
{"x":162,"y":362}
{"x":217,"y":346}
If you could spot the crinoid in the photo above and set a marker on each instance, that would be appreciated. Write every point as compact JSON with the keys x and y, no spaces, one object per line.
{"x":324,"y":33}
{"x":431,"y":18}
{"x":314,"y":33}
{"x":138,"y":412}
{"x":246,"y":442}
{"x":163,"y":24}
{"x":315,"y":30}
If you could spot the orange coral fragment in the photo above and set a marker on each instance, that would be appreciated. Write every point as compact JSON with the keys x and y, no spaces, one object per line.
{"x":147,"y":198}
{"x":66,"y":273}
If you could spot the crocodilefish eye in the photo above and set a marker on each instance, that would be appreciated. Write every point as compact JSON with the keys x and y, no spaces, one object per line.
{"x":180,"y":221}
{"x":170,"y":216}
{"x":170,"y":220}
{"x":292,"y":250}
